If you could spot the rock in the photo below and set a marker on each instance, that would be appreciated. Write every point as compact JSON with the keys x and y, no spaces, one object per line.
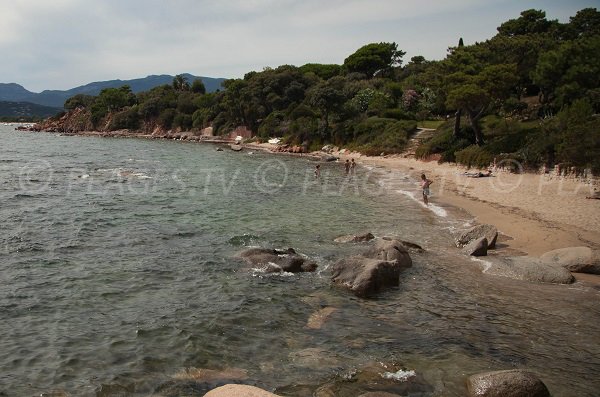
{"x":530,"y":269}
{"x":574,"y":259}
{"x":365,"y":276}
{"x":509,"y":383}
{"x":236,"y":147}
{"x":239,"y":391}
{"x":354,"y":238}
{"x":328,"y":158}
{"x":209,"y":375}
{"x":277,"y":260}
{"x":407,"y":244}
{"x":477,"y":247}
{"x":379,"y":394}
{"x":488,"y":231}
{"x":390,"y":250}
{"x":314,"y":357}
{"x":318,"y":318}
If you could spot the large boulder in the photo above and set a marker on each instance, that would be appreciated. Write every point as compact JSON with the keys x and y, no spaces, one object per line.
{"x":365,"y":276}
{"x":530,"y":269}
{"x":275,"y":261}
{"x":477,"y":247}
{"x":239,"y":391}
{"x":488,"y":231}
{"x":509,"y":383}
{"x":574,"y":259}
{"x":390,"y":250}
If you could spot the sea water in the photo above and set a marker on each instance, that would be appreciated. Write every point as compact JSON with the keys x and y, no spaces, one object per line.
{"x":118,"y":271}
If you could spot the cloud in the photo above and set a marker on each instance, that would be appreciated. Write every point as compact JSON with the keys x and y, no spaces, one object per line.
{"x":64,"y":43}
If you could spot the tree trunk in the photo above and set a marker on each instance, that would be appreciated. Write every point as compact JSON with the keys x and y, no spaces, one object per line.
{"x":457,"y":116}
{"x":474,"y":121}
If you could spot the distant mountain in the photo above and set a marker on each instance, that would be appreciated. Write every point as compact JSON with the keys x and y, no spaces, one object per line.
{"x":55,"y":98}
{"x":26,"y":110}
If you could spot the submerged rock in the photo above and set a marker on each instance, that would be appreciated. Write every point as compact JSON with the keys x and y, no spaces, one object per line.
{"x":530,"y":269}
{"x":275,"y":261}
{"x":574,"y":259}
{"x":477,"y":247}
{"x":509,"y":383}
{"x":365,"y":276}
{"x":318,"y":318}
{"x":488,"y":231}
{"x":355,"y":238}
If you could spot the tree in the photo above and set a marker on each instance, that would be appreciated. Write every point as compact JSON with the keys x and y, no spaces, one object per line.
{"x":79,"y":100}
{"x":180,"y":83}
{"x":585,"y":23}
{"x":327,"y":98}
{"x":570,"y":72}
{"x":478,"y":92}
{"x":374,"y":58}
{"x":530,"y":21}
{"x":198,"y":87}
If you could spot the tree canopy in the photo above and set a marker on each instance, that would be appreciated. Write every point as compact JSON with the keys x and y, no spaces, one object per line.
{"x":532,"y":69}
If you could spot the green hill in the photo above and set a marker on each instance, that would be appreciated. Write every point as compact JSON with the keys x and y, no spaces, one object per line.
{"x":25,"y":110}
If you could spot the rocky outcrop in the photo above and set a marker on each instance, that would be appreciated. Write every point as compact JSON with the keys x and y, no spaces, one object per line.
{"x":510,"y":383}
{"x":530,"y":269}
{"x":274,"y":261}
{"x":389,"y":250}
{"x":236,"y":147}
{"x":354,"y":238}
{"x":574,"y":259}
{"x":477,"y":247}
{"x":239,"y":391}
{"x":488,"y":231}
{"x":365,"y":276}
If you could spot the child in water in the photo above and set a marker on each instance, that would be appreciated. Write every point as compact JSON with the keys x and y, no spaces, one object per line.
{"x":317,"y":170}
{"x":425,"y":185}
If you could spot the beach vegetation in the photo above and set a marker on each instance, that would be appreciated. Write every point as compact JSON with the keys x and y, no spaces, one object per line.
{"x":530,"y":93}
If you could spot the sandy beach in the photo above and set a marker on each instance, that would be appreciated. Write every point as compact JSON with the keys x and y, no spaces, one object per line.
{"x":536,"y":212}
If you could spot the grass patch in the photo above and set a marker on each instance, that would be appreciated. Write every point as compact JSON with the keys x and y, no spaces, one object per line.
{"x":433,"y":124}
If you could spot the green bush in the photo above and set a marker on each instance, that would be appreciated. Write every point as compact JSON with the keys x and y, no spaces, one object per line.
{"x":474,"y":156}
{"x":375,"y":135}
{"x":127,"y":119}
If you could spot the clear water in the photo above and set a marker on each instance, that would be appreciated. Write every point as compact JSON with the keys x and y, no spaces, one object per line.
{"x":117,"y":272}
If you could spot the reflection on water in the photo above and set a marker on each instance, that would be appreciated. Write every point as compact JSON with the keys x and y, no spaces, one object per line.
{"x":117,"y":273}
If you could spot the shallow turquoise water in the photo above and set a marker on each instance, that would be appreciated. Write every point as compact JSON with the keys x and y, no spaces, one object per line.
{"x":117,"y":270}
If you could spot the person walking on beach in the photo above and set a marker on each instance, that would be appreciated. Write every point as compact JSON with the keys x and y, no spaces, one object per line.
{"x":425,"y":185}
{"x":347,"y":166}
{"x":317,"y":170}
{"x":352,"y":166}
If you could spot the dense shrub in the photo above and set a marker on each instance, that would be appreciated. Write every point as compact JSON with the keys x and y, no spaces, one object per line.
{"x":376,"y":135}
{"x":126,"y":119}
{"x":474,"y":156}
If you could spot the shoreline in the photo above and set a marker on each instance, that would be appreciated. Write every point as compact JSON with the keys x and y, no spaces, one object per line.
{"x":535,"y":213}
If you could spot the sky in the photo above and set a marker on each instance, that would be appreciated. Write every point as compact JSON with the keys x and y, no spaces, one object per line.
{"x":61,"y":44}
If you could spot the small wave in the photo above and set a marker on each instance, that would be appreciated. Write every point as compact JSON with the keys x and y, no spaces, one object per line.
{"x":401,"y":375}
{"x":486,"y":265}
{"x":436,"y":209}
{"x":244,"y":240}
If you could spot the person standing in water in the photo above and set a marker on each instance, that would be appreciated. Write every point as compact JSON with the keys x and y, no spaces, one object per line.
{"x":352,"y":166}
{"x":425,"y":183}
{"x":347,"y":166}
{"x":317,"y":170}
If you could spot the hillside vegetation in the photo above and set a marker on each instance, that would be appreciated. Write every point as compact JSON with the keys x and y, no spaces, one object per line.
{"x":531,"y":93}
